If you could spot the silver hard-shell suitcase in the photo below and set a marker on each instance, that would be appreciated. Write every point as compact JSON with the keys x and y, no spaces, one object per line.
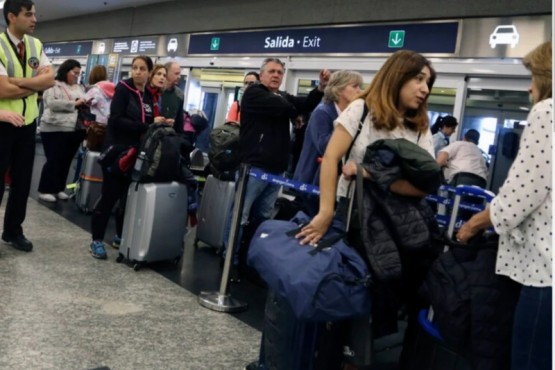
{"x":155,"y":223}
{"x":214,"y":211}
{"x":89,"y":186}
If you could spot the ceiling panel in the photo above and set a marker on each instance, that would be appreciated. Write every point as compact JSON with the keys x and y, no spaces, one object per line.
{"x":48,"y":10}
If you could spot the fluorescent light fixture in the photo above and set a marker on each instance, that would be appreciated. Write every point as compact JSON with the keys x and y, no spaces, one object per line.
{"x":524,"y":108}
{"x":2,"y":4}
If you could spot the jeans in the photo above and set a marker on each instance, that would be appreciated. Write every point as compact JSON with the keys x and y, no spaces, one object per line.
{"x":259,"y":201}
{"x":532,"y":342}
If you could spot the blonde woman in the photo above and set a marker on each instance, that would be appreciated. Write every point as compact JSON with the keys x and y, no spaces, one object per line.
{"x":522,"y":216}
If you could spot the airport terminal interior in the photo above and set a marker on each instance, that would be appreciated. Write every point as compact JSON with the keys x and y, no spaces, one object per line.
{"x":62,"y":309}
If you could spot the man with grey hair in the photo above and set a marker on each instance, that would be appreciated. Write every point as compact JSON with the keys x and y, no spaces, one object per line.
{"x":172,"y":99}
{"x":264,"y":139}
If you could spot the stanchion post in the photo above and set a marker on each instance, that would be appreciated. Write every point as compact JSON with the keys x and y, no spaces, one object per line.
{"x":222,"y":301}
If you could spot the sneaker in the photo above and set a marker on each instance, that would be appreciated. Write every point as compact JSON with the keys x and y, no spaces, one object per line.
{"x":62,"y":195}
{"x":50,"y":198}
{"x":116,"y":242}
{"x":97,"y":250}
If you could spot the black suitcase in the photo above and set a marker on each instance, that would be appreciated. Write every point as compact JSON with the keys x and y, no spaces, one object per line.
{"x":290,"y":344}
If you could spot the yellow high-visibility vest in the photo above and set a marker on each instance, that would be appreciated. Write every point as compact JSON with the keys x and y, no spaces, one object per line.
{"x":10,"y":60}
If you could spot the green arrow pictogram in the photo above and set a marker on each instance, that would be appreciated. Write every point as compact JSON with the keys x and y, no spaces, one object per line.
{"x":215,"y":43}
{"x":396,"y":39}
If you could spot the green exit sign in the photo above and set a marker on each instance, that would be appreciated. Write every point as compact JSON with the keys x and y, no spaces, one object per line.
{"x":215,"y":43}
{"x":396,"y":39}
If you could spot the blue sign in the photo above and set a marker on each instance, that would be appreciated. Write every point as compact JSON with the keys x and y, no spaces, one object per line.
{"x":68,"y":49}
{"x":426,"y":38}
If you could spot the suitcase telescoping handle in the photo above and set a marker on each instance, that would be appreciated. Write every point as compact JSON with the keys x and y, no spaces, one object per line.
{"x":467,"y":190}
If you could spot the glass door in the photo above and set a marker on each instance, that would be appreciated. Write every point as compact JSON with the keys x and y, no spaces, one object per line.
{"x":497,"y":114}
{"x":209,"y":101}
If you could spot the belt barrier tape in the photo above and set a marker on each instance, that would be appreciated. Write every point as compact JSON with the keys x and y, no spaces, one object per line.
{"x":314,"y":190}
{"x":279,"y":180}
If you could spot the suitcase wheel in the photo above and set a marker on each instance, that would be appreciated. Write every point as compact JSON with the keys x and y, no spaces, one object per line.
{"x":119,"y":258}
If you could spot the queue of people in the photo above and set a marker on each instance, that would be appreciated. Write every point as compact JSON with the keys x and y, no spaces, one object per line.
{"x":393,"y":106}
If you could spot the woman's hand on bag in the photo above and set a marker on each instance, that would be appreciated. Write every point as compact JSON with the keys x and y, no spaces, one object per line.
{"x":315,"y":230}
{"x":465,"y":233}
{"x":79,"y":102}
{"x":474,"y":225}
{"x":15,"y":119}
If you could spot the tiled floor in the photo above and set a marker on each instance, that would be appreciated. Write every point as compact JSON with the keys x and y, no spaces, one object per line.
{"x":62,"y":309}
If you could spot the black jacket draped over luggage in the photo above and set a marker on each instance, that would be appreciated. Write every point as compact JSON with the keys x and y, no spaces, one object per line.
{"x":397,"y":231}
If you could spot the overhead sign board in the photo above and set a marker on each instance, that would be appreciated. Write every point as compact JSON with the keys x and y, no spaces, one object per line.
{"x":102,"y":46}
{"x":136,"y":45}
{"x":507,"y":37}
{"x":172,"y":45}
{"x":53,"y":49}
{"x":428,"y":38}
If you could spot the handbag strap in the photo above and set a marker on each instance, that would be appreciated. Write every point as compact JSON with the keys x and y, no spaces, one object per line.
{"x":295,"y":231}
{"x":359,"y":192}
{"x":360,"y":124}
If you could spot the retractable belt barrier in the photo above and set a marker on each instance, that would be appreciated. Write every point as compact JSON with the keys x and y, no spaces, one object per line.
{"x":223,"y":302}
{"x":445,"y":201}
{"x":279,"y":180}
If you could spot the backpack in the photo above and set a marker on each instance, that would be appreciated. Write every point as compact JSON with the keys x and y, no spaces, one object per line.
{"x":159,"y":155}
{"x":224,"y":151}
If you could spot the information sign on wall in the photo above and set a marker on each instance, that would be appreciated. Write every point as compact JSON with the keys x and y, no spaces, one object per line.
{"x":54,"y":49}
{"x":430,"y":38}
{"x":137,"y":45}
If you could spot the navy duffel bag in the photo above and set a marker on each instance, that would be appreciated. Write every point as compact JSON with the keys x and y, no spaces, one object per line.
{"x":329,"y":282}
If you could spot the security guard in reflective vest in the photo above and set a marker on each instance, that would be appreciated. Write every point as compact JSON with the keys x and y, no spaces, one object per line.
{"x":24,"y":71}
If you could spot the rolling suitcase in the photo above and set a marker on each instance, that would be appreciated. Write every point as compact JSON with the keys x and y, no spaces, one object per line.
{"x":89,"y":186}
{"x":155,"y":223}
{"x":214,"y":211}
{"x":289,"y":343}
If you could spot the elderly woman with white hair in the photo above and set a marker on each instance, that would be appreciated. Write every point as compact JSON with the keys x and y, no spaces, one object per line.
{"x":343,"y":87}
